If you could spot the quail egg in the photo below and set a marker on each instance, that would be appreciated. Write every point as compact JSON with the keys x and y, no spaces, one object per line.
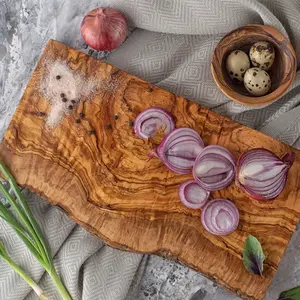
{"x":262,"y":55}
{"x":237,"y":64}
{"x":257,"y":81}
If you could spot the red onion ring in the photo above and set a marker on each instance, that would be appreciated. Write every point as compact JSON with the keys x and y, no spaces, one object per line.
{"x":179,"y":149}
{"x":214,"y":168}
{"x":192,"y":195}
{"x":220,"y":217}
{"x":148,"y":122}
{"x":261,"y":174}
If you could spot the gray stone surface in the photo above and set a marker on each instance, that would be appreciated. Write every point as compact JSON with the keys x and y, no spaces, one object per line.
{"x":25,"y":27}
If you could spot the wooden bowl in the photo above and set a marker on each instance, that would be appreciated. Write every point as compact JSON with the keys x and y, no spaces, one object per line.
{"x":282,"y":72}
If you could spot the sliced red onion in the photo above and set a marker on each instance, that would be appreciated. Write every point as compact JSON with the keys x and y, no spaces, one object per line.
{"x":192,"y":195}
{"x":148,"y":122}
{"x":261,"y":174}
{"x":220,"y":217}
{"x":214,"y":168}
{"x":179,"y":149}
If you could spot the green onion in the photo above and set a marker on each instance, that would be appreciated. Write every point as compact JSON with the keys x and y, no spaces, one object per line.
{"x":21,"y":272}
{"x":28,"y":229}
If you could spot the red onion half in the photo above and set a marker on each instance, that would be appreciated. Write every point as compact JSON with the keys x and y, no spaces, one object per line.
{"x":149,"y":121}
{"x":261,"y":174}
{"x":214,"y":168}
{"x":104,"y":29}
{"x":179,"y":149}
{"x":220,"y":217}
{"x":192,"y":195}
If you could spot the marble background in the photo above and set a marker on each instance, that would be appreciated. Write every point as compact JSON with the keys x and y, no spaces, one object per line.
{"x":25,"y":28}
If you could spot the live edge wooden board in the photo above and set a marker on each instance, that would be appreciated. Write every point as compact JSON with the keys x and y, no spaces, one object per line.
{"x":105,"y":183}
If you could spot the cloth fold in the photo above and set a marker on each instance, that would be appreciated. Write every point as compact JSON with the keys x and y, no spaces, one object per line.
{"x":171,"y":46}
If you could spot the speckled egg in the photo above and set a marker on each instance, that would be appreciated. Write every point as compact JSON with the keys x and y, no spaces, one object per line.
{"x":262,"y":55}
{"x":257,"y":81}
{"x":237,"y":64}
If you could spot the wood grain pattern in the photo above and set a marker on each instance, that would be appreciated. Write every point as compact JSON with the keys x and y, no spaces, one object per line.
{"x":282,"y":72}
{"x":105,"y":183}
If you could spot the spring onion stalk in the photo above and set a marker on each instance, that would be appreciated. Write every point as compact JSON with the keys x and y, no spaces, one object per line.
{"x":28,"y":230}
{"x":21,"y":272}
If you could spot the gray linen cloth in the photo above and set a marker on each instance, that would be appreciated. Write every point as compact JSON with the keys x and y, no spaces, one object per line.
{"x":171,"y":45}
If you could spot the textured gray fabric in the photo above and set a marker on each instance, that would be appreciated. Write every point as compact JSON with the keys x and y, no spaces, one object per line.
{"x":171,"y":46}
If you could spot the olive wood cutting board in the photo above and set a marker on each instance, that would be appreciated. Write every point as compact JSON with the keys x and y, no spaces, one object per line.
{"x":101,"y":177}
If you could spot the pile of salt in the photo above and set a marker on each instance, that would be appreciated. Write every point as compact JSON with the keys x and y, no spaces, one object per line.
{"x":64,"y":88}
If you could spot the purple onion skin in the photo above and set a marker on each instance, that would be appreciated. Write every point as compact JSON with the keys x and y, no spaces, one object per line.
{"x":288,"y":158}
